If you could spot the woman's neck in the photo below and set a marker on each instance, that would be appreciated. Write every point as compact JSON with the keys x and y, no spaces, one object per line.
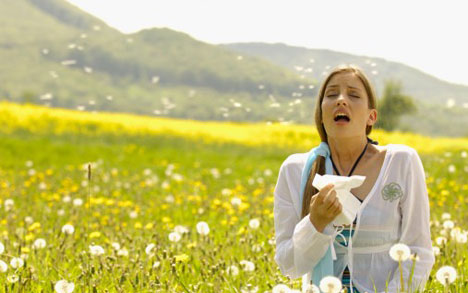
{"x":345,"y":151}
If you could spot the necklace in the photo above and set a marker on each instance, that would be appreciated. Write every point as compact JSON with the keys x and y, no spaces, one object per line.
{"x":355,"y":164}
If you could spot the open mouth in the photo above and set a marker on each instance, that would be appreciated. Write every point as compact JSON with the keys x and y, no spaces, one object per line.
{"x":342,"y":118}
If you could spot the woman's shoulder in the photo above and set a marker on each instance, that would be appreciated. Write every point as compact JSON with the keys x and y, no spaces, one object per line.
{"x":401,"y":151}
{"x":294,"y":162}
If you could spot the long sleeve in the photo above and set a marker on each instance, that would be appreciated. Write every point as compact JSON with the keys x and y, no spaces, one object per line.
{"x":415,"y":229}
{"x":299,"y":246}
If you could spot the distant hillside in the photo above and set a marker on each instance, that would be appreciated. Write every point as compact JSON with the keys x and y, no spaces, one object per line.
{"x":430,"y":93}
{"x":57,"y":55}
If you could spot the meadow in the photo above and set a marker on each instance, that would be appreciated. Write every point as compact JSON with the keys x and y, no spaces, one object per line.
{"x":172,"y":205}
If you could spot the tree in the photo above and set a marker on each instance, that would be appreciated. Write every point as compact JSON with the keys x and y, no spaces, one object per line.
{"x":393,"y":105}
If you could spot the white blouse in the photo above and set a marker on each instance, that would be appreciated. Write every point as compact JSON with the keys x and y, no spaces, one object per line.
{"x":396,"y":210}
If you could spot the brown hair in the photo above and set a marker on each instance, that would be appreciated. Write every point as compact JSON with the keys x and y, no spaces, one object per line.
{"x":319,"y":164}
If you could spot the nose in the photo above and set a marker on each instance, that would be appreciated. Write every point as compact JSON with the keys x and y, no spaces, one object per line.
{"x":341,"y":100}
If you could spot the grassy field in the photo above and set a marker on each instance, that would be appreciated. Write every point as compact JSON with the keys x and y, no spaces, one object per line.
{"x":151,"y":177}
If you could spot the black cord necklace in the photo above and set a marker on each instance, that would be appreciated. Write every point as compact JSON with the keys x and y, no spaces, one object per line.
{"x":355,"y":164}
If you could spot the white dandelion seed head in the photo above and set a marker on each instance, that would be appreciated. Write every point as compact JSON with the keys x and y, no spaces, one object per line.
{"x":3,"y":266}
{"x":39,"y":243}
{"x":441,"y":240}
{"x":133,"y":214}
{"x":63,"y":286}
{"x":203,"y":228}
{"x":247,"y":266}
{"x":330,"y":284}
{"x":249,"y":288}
{"x":448,"y":224}
{"x":68,"y":229}
{"x":66,"y":198}
{"x":16,"y":262}
{"x":181,"y":229}
{"x":2,"y":248}
{"x":446,"y":275}
{"x":461,"y":237}
{"x":77,"y":202}
{"x":150,"y":249}
{"x":226,"y":191}
{"x":232,"y":270}
{"x":254,"y":223}
{"x":399,"y":252}
{"x":12,"y":278}
{"x":435,"y":250}
{"x":28,"y":220}
{"x":96,"y":250}
{"x":122,"y":252}
{"x":115,"y":245}
{"x":452,"y":168}
{"x":156,"y":264}
{"x":174,"y":236}
{"x":235,"y":201}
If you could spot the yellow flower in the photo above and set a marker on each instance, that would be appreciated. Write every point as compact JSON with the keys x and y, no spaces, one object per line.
{"x":94,"y":234}
{"x":34,"y":226}
{"x":182,"y":258}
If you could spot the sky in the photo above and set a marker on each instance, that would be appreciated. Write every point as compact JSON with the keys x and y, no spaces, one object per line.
{"x":428,"y":35}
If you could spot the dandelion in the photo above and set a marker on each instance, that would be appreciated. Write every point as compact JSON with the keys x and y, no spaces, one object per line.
{"x":2,"y":248}
{"x":249,"y":288}
{"x":452,"y":168}
{"x":156,"y":264}
{"x":96,"y":250}
{"x":441,"y":240}
{"x":446,"y":275}
{"x":3,"y":266}
{"x":281,"y":288}
{"x":254,"y":223}
{"x":235,"y":201}
{"x":232,"y":270}
{"x":16,"y":262}
{"x":12,"y":278}
{"x":8,"y":204}
{"x":330,"y":284}
{"x":122,"y":252}
{"x":461,"y":237}
{"x":248,"y":266}
{"x":435,"y":250}
{"x":399,"y":252}
{"x":63,"y":286}
{"x":68,"y":229}
{"x":77,"y":202}
{"x":446,"y":216}
{"x":39,"y":243}
{"x":448,"y":224}
{"x":203,"y":228}
{"x":174,"y":237}
{"x":181,"y":229}
{"x":150,"y":249}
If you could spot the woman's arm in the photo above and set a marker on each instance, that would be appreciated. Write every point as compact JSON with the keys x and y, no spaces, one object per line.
{"x":415,"y":227}
{"x":299,"y":246}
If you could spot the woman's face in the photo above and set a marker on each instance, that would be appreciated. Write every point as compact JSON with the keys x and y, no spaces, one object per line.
{"x":345,"y":93}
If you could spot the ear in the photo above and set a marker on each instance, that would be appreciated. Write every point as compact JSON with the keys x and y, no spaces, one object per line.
{"x":372,"y":117}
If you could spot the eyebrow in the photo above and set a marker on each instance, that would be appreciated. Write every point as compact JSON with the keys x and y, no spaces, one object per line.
{"x":335,"y":85}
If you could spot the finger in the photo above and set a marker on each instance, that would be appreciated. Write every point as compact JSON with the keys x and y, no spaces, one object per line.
{"x":334,"y":205}
{"x":324,"y":191}
{"x":330,"y":198}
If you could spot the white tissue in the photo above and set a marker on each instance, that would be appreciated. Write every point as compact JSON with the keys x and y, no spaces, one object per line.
{"x":342,"y":186}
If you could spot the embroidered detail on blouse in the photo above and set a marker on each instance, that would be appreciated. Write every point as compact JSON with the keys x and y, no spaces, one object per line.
{"x":392,"y":191}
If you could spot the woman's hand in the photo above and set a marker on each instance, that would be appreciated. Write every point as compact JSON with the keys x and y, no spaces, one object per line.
{"x":324,"y":207}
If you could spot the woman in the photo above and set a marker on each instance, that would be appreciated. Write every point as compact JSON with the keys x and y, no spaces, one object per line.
{"x":394,"y":201}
